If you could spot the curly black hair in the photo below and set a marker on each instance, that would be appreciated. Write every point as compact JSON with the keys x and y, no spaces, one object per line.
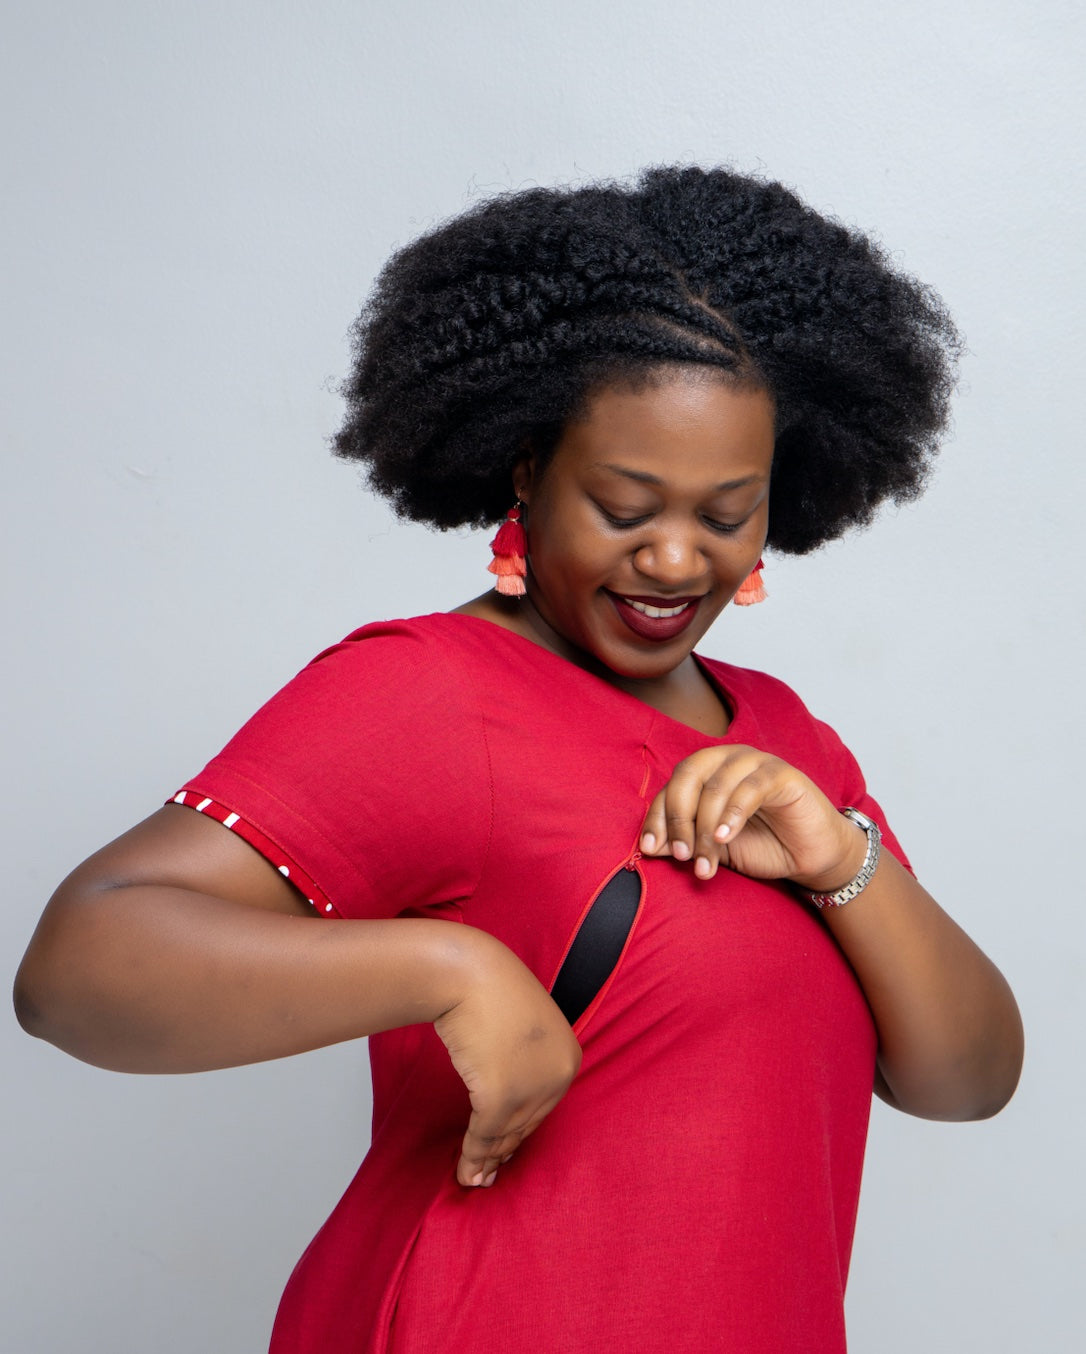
{"x":484,"y":337}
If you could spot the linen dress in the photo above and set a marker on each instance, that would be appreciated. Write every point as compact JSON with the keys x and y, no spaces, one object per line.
{"x":696,"y":1189}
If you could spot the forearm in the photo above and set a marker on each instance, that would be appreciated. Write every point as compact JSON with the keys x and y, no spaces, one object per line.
{"x":950,"y":1036}
{"x":161,"y":979}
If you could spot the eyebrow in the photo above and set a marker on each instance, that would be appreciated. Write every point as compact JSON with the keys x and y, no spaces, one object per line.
{"x":642,"y":478}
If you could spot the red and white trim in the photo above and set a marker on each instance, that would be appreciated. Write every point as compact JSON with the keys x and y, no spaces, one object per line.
{"x":289,"y":869}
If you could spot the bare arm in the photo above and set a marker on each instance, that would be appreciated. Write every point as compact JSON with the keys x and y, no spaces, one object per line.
{"x":178,"y":948}
{"x":950,"y":1036}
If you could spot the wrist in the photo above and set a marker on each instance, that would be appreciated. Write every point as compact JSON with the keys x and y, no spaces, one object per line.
{"x":463,"y":960}
{"x":856,"y":865}
{"x":426,"y":966}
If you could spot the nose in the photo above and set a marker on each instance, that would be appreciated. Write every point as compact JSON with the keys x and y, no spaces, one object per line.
{"x":670,"y":557}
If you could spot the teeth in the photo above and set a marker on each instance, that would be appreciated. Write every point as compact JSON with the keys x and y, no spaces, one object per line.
{"x":656,"y":612}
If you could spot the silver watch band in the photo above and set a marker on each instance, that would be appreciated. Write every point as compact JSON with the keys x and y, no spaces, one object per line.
{"x":867,"y":869}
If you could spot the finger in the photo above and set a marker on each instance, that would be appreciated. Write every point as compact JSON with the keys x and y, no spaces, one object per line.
{"x":488,"y":1145}
{"x":683,"y":795}
{"x":654,"y":840}
{"x":728,"y":799}
{"x":738,"y":806}
{"x":481,"y":1155}
{"x":710,"y":851}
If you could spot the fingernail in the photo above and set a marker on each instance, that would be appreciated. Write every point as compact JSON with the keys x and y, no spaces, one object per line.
{"x":648,"y":842}
{"x":703,"y":867}
{"x":680,"y":850}
{"x":477,"y":1179}
{"x":490,"y":1179}
{"x":721,"y":832}
{"x":508,"y":1158}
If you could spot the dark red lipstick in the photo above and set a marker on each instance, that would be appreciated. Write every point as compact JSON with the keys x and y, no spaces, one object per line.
{"x":658,"y":628}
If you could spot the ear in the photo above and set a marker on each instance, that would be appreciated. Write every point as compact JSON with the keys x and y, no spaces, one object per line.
{"x":524,"y":476}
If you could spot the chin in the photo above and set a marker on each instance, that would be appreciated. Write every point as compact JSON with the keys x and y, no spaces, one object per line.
{"x":646,"y":666}
{"x":650,"y":661}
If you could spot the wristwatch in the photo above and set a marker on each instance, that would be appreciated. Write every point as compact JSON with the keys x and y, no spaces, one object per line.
{"x":867,"y":869}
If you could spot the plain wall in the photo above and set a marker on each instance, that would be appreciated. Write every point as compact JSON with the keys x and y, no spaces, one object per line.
{"x":198,"y":198}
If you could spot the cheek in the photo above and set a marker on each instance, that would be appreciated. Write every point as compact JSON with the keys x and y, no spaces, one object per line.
{"x":569,"y":572}
{"x":566,"y":545}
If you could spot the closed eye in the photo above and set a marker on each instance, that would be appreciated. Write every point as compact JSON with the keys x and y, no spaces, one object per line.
{"x":724,"y":528}
{"x":622,"y":522}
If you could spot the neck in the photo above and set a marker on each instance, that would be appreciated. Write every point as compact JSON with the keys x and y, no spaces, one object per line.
{"x":683,"y":694}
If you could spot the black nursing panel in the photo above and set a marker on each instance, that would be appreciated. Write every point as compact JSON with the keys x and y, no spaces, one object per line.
{"x":597,"y":945}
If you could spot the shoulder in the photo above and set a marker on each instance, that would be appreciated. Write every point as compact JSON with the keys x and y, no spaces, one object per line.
{"x":466,"y":641}
{"x":397,"y":687}
{"x":756,"y":693}
{"x":378,"y":735}
{"x":399,"y":640}
{"x":402,"y":660}
{"x":769,"y":714}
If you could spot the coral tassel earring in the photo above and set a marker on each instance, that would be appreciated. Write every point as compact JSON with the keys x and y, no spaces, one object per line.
{"x":510,"y":547}
{"x":752,"y":589}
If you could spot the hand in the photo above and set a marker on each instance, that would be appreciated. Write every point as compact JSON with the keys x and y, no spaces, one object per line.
{"x":742,"y":808}
{"x":515,"y":1052}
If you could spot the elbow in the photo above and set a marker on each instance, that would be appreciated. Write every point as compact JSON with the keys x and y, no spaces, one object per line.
{"x":985,"y":1098}
{"x":1004,"y":1066}
{"x":953,"y":1102}
{"x":58,"y":984}
{"x":38,"y":995}
{"x":984,"y":1103}
{"x":992,"y":1067}
{"x":996,"y":1093}
{"x":975,"y":1084}
{"x":29,"y":1008}
{"x":39,"y":1002}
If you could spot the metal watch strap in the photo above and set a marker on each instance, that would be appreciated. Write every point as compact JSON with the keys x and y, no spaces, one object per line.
{"x":867,"y":869}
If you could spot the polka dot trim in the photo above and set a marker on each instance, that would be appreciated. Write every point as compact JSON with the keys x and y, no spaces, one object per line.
{"x":289,"y":869}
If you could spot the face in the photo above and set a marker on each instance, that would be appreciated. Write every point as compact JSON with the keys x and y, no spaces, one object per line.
{"x":649,"y":515}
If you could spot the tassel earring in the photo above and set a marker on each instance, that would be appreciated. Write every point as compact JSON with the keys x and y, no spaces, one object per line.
{"x":510,"y":547}
{"x":752,"y":589}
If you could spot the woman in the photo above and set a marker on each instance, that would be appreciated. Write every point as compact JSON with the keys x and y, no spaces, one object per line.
{"x":632,"y":970}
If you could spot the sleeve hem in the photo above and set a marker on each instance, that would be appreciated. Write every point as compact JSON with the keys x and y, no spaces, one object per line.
{"x":224,"y":787}
{"x":314,"y":895}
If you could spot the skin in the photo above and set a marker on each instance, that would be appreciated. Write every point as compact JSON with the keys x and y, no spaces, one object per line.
{"x":659,"y":492}
{"x":179,"y":948}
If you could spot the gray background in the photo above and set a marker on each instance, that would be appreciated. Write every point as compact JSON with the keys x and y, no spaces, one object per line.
{"x":198,"y":199}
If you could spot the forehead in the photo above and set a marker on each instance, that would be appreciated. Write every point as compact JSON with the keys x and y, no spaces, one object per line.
{"x":685,"y":422}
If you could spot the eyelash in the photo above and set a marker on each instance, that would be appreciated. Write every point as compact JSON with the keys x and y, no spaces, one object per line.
{"x":625,"y":523}
{"x":621,"y":522}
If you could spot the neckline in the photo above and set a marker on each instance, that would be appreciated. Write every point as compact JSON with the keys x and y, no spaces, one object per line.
{"x":732,"y":705}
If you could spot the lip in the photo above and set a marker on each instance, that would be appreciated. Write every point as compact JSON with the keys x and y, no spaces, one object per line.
{"x":659,"y":629}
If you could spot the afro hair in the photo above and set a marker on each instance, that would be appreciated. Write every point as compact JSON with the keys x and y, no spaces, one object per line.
{"x":485,"y":336}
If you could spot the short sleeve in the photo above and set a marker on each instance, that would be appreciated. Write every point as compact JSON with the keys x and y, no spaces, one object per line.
{"x":369,"y":771}
{"x":849,"y":790}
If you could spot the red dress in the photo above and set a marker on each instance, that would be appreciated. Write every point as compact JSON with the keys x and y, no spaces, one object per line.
{"x":696,"y":1189}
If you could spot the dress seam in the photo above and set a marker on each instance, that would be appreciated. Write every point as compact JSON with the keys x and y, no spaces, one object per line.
{"x":471,"y":687}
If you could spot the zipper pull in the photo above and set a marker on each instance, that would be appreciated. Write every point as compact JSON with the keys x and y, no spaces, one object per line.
{"x":631,"y":864}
